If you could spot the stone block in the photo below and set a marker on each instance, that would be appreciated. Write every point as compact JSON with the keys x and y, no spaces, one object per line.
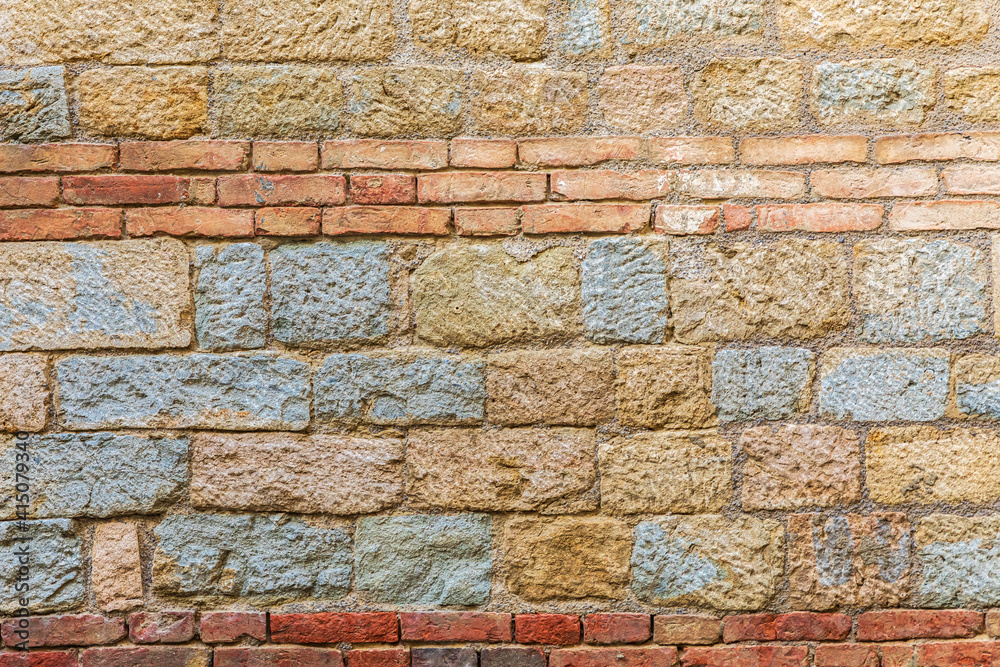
{"x":886,"y":91}
{"x":974,"y":92}
{"x":523,"y":101}
{"x":277,"y":101}
{"x":229,"y":297}
{"x":667,"y":386}
{"x":761,"y":382}
{"x":391,"y":101}
{"x":652,"y":24}
{"x":586,"y":31}
{"x":57,"y":574}
{"x":977,"y":385}
{"x":748,"y":94}
{"x":514,"y":28}
{"x":960,"y":559}
{"x":115,"y":567}
{"x":34,"y":106}
{"x":637,"y":98}
{"x":24,"y":392}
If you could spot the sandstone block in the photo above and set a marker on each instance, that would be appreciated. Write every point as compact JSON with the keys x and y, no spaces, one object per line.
{"x":57,"y":568}
{"x":664,"y":386}
{"x":426,"y":101}
{"x":277,"y":101}
{"x":586,"y":31}
{"x":34,"y":104}
{"x":977,"y":385}
{"x":229,"y":297}
{"x":960,"y":557}
{"x":522,"y":101}
{"x":513,"y":28}
{"x":761,"y":382}
{"x":748,"y":94}
{"x":974,"y":92}
{"x":651,"y":24}
{"x":116,"y":571}
{"x":883,"y":92}
{"x":945,"y":214}
{"x":636,"y":98}
{"x":24,"y":392}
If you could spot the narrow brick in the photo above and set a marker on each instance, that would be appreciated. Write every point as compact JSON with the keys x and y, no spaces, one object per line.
{"x":483,"y":186}
{"x":727,"y":183}
{"x":811,"y":149}
{"x":662,"y":656}
{"x":982,"y":146}
{"x":900,"y":624}
{"x":512,"y":656}
{"x":846,"y":655}
{"x":821,"y":217}
{"x":64,"y":630}
{"x":225,"y":627}
{"x":125,"y":189}
{"x":868,"y":183}
{"x":285,"y":156}
{"x":455,"y":626}
{"x":375,"y":154}
{"x":686,"y":629}
{"x":171,"y":155}
{"x":955,"y":654}
{"x":29,"y":191}
{"x":161,"y":627}
{"x":379,"y":657}
{"x":383,"y":189}
{"x":56,"y":157}
{"x":555,"y":629}
{"x":487,"y":221}
{"x":993,"y":622}
{"x":683,"y":220}
{"x":287,"y":221}
{"x":38,"y":659}
{"x":483,"y":153}
{"x":276,"y":656}
{"x":330,"y":628}
{"x":738,"y":218}
{"x":150,"y":656}
{"x":809,"y":626}
{"x":746,"y":656}
{"x":116,"y":570}
{"x":968,"y":179}
{"x":605,"y":184}
{"x":608,"y":218}
{"x":386,"y":220}
{"x":305,"y":190}
{"x":189,"y":221}
{"x":617,"y":628}
{"x":579,"y":151}
{"x":58,"y":224}
{"x":945,"y":214}
{"x":691,"y":150}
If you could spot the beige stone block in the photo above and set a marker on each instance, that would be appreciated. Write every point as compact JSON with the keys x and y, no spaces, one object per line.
{"x":748,"y":94}
{"x":390,"y":101}
{"x":24,"y":392}
{"x":891,"y":92}
{"x":637,"y":98}
{"x":669,"y":386}
{"x":586,"y":31}
{"x":653,"y":24}
{"x":116,"y":571}
{"x":974,"y":92}
{"x":277,"y":101}
{"x":514,"y":28}
{"x":526,"y":101}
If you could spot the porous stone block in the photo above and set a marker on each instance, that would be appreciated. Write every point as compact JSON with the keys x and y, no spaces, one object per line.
{"x":977,"y":385}
{"x":277,"y":101}
{"x":638,"y":98}
{"x":229,"y":297}
{"x":960,"y":557}
{"x":886,"y":91}
{"x":24,"y":392}
{"x":423,"y":559}
{"x":708,"y":561}
{"x":390,"y":101}
{"x":974,"y":92}
{"x":523,"y":101}
{"x":514,"y":28}
{"x":748,"y":94}
{"x":761,"y":382}
{"x":57,"y":574}
{"x":586,"y":31}
{"x":34,"y":106}
{"x":664,"y":386}
{"x":661,"y":472}
{"x":651,"y":24}
{"x":116,"y":571}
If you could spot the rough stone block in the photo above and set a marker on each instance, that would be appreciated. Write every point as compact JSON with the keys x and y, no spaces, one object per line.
{"x":761,"y":382}
{"x":522,"y":101}
{"x":651,"y":24}
{"x":977,"y":385}
{"x":229,"y":297}
{"x":24,"y":392}
{"x":277,"y":101}
{"x":56,"y":565}
{"x":884,"y":92}
{"x":960,"y":558}
{"x":514,"y":28}
{"x":116,"y":570}
{"x":748,"y":94}
{"x":390,"y":101}
{"x":974,"y":92}
{"x":664,"y":386}
{"x":586,"y":32}
{"x":637,"y":98}
{"x":34,"y":105}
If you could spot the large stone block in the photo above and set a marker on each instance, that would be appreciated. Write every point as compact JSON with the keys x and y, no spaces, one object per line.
{"x":330,"y":292}
{"x":974,"y":92}
{"x":118,"y":294}
{"x":586,"y":31}
{"x":277,"y":101}
{"x":116,"y":570}
{"x":229,"y":297}
{"x":977,"y":385}
{"x":514,"y":28}
{"x":652,"y":24}
{"x":478,"y":295}
{"x":421,"y":559}
{"x":57,"y":574}
{"x":869,"y":384}
{"x":522,"y":469}
{"x":262,"y":558}
{"x":708,"y":561}
{"x":24,"y":392}
{"x":912,"y":291}
{"x":883,"y":92}
{"x":960,"y":558}
{"x":660,"y":472}
{"x":848,"y":561}
{"x":391,"y":101}
{"x":637,"y":98}
{"x":183,"y":391}
{"x":761,"y":382}
{"x":664,"y":386}
{"x":748,"y":94}
{"x":567,"y":557}
{"x":792,"y":288}
{"x":33,"y":105}
{"x":523,"y":101}
{"x":280,"y":472}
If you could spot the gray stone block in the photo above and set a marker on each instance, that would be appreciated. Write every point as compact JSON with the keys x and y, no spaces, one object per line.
{"x":761,"y":383}
{"x":229,"y":297}
{"x":886,"y":91}
{"x":33,"y":104}
{"x":56,"y":572}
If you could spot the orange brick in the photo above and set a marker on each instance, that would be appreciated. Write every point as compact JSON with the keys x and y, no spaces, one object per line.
{"x":285,"y":156}
{"x":375,"y":154}
{"x":681,"y":220}
{"x":611,"y":218}
{"x":483,"y":153}
{"x":958,"y":654}
{"x":691,"y":150}
{"x":604,"y":184}
{"x":738,"y":218}
{"x":383,"y":189}
{"x":846,"y":655}
{"x":481,"y":186}
{"x":125,"y":189}
{"x":56,"y":157}
{"x":169,"y":155}
{"x":62,"y":223}
{"x":944,"y":146}
{"x":258,"y":190}
{"x":808,"y":149}
{"x":867,"y":183}
{"x":189,"y":221}
{"x":993,"y":622}
{"x":971,"y":179}
{"x":378,"y":657}
{"x":821,"y":217}
{"x":897,"y":655}
{"x":659,"y":656}
{"x":487,"y":221}
{"x":29,"y":191}
{"x":579,"y":151}
{"x":290,"y":221}
{"x":386,"y":220}
{"x":945,"y":214}
{"x":747,"y":656}
{"x":896,"y":624}
{"x":731,"y":183}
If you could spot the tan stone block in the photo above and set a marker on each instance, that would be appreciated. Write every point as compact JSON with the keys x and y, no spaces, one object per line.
{"x":390,"y":101}
{"x":572,"y":387}
{"x":524,"y":101}
{"x":974,"y":92}
{"x":116,"y":572}
{"x":653,"y":24}
{"x":156,"y":103}
{"x":636,"y":98}
{"x":523,"y":469}
{"x":282,"y":472}
{"x":514,"y":28}
{"x":748,"y":94}
{"x":665,"y":386}
{"x":662,"y":472}
{"x":567,"y":557}
{"x":885,"y":91}
{"x":24,"y":392}
{"x":957,"y":555}
{"x":800,"y":465}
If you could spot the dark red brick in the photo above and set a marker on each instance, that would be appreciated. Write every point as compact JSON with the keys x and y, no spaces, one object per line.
{"x":746,"y":656}
{"x":795,"y":626}
{"x":846,"y":655}
{"x":125,"y":189}
{"x":455,"y":626}
{"x":219,"y":627}
{"x":29,"y":191}
{"x":147,"y":656}
{"x":617,"y":628}
{"x":277,"y":656}
{"x":750,"y":627}
{"x":883,"y":626}
{"x":379,"y":657}
{"x":161,"y":627}
{"x":65,"y":630}
{"x":958,"y":654}
{"x":557,"y":629}
{"x":38,"y":659}
{"x":329,"y":628}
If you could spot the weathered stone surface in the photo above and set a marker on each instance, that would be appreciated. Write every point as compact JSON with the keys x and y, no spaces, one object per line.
{"x":624,"y":289}
{"x":401,"y":388}
{"x":881,"y":23}
{"x":116,"y":573}
{"x":277,"y":101}
{"x":24,"y":392}
{"x":389,"y":101}
{"x":567,"y":557}
{"x":660,"y":472}
{"x":748,"y":94}
{"x":761,"y":382}
{"x":56,"y":565}
{"x":33,"y":104}
{"x":229,"y":297}
{"x":478,"y":295}
{"x":330,"y":292}
{"x":421,"y":559}
{"x":161,"y":627}
{"x":884,"y":92}
{"x":571,"y":387}
{"x":800,"y":465}
{"x":264,"y":558}
{"x":522,"y":469}
{"x":870,"y":384}
{"x":523,"y":101}
{"x":792,"y":288}
{"x":119,"y":294}
{"x":664,"y":386}
{"x":974,"y":92}
{"x":280,"y":472}
{"x":586,"y":32}
{"x":636,"y":98}
{"x":100,"y":474}
{"x":960,"y":557}
{"x":708,"y":561}
{"x":191,"y":391}
{"x":514,"y":28}
{"x":977,"y":385}
{"x":154,"y":103}
{"x":306,"y":30}
{"x":651,"y":24}
{"x":848,"y":561}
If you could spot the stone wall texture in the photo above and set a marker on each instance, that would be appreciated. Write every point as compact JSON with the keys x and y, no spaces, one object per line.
{"x":500,"y":333}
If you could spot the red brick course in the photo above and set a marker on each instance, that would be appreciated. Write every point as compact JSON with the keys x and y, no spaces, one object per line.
{"x":455,"y":626}
{"x":330,"y":628}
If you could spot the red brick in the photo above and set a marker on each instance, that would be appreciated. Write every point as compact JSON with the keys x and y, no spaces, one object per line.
{"x":750,"y":627}
{"x":386,"y":220}
{"x":882,"y":626}
{"x":56,"y":157}
{"x":64,"y":630}
{"x":686,"y":629}
{"x":455,"y":626}
{"x":21,"y":191}
{"x":993,"y":622}
{"x":483,"y":153}
{"x":512,"y":656}
{"x":955,"y":654}
{"x":617,"y":628}
{"x":746,"y":656}
{"x":444,"y":657}
{"x":161,"y":627}
{"x":846,"y":655}
{"x":277,"y":656}
{"x":304,"y":190}
{"x":738,"y":218}
{"x":189,"y":221}
{"x":808,"y":149}
{"x":682,"y":220}
{"x":147,"y":656}
{"x":821,"y":217}
{"x":606,"y":184}
{"x":945,"y":214}
{"x":378,"y":657}
{"x":330,"y":628}
{"x":611,"y":218}
{"x":732,"y":183}
{"x":971,"y":179}
{"x":481,"y":186}
{"x":170,"y":155}
{"x":287,"y":221}
{"x":579,"y":151}
{"x":62,"y":223}
{"x":383,"y":189}
{"x":125,"y":189}
{"x":558,"y":629}
{"x":691,"y":150}
{"x":661,"y":656}
{"x":38,"y":659}
{"x":487,"y":221}
{"x":376,"y":154}
{"x":867,"y":183}
{"x":810,"y":626}
{"x":285,"y":156}
{"x":896,"y":655}
{"x":224,"y":627}
{"x":938,"y":146}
